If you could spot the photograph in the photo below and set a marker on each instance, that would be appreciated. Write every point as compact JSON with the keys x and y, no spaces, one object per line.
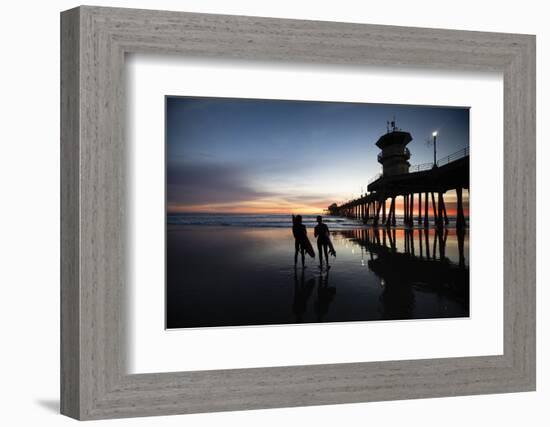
{"x":289,"y":212}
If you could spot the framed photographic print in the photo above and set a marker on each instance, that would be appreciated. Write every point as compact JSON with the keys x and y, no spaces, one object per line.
{"x":249,"y":182}
{"x":262,"y":213}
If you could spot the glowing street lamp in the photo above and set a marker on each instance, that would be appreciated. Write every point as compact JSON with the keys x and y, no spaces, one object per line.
{"x":434,"y":134}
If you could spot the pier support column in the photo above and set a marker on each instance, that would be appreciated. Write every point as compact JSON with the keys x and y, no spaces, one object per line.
{"x":426,"y":210}
{"x":377,"y":216}
{"x":440,"y":209}
{"x":436,"y":218}
{"x":444,"y":210}
{"x":420,"y":208}
{"x":390,"y":212}
{"x":411,"y":214}
{"x":405,"y":209}
{"x":460,"y":220}
{"x":384,"y":209}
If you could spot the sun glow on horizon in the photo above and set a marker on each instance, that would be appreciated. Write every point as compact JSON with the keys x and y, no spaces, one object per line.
{"x":282,"y":207}
{"x":245,"y":209}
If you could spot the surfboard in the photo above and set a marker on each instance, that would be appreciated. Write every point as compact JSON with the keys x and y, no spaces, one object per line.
{"x":331,"y":249}
{"x":306,"y":244}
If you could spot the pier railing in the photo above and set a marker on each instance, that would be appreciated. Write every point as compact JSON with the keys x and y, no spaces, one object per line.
{"x":455,"y":156}
{"x":421,"y":167}
{"x":375,"y":177}
{"x":427,"y":166}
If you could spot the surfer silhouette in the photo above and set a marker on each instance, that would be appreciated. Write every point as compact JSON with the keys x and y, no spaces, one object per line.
{"x":324,"y":245}
{"x":301,"y":241}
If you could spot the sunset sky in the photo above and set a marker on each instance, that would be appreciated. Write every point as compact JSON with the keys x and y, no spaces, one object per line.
{"x":262,"y":156}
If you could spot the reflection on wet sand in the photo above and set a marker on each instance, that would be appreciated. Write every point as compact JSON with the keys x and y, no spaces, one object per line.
{"x":325,"y":295}
{"x":302,"y":292}
{"x":248,"y":277}
{"x":421,"y":266}
{"x":303,"y":289}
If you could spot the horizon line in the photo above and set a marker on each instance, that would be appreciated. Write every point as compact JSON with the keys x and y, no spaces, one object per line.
{"x":274,"y":213}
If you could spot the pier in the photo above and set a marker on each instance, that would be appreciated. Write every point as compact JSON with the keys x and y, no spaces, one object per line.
{"x":421,"y":186}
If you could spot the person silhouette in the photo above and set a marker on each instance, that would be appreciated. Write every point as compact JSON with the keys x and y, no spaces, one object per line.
{"x":322,"y":233}
{"x":299,"y":232}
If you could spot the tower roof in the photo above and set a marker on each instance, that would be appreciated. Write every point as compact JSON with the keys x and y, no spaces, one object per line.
{"x":395,"y":137}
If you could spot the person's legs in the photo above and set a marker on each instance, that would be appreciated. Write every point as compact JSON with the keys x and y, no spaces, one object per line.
{"x":303,"y":257}
{"x":320,"y":252}
{"x":296,"y":248}
{"x":325,"y":248}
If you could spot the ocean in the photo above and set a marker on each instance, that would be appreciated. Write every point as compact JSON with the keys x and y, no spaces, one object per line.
{"x":269,"y":220}
{"x":258,"y":221}
{"x":239,"y":270}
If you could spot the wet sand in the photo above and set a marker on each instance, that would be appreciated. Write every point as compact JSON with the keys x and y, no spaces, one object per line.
{"x":235,"y":276}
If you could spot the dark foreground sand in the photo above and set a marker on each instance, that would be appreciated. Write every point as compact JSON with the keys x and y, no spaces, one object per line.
{"x":232,"y":276}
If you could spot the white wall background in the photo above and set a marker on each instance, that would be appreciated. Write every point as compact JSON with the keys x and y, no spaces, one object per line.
{"x":29,"y":212}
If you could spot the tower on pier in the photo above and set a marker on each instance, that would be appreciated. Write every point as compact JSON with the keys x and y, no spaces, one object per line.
{"x":395,"y":155}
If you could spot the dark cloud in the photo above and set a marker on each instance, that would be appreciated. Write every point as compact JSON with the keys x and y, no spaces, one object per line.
{"x":203,"y":183}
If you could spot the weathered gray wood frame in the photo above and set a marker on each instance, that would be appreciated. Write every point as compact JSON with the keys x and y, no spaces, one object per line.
{"x":94,"y":41}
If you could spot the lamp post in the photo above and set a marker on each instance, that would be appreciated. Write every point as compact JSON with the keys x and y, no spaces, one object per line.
{"x":434,"y":134}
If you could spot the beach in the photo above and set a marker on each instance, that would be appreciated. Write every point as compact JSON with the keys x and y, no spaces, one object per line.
{"x":239,"y":270}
